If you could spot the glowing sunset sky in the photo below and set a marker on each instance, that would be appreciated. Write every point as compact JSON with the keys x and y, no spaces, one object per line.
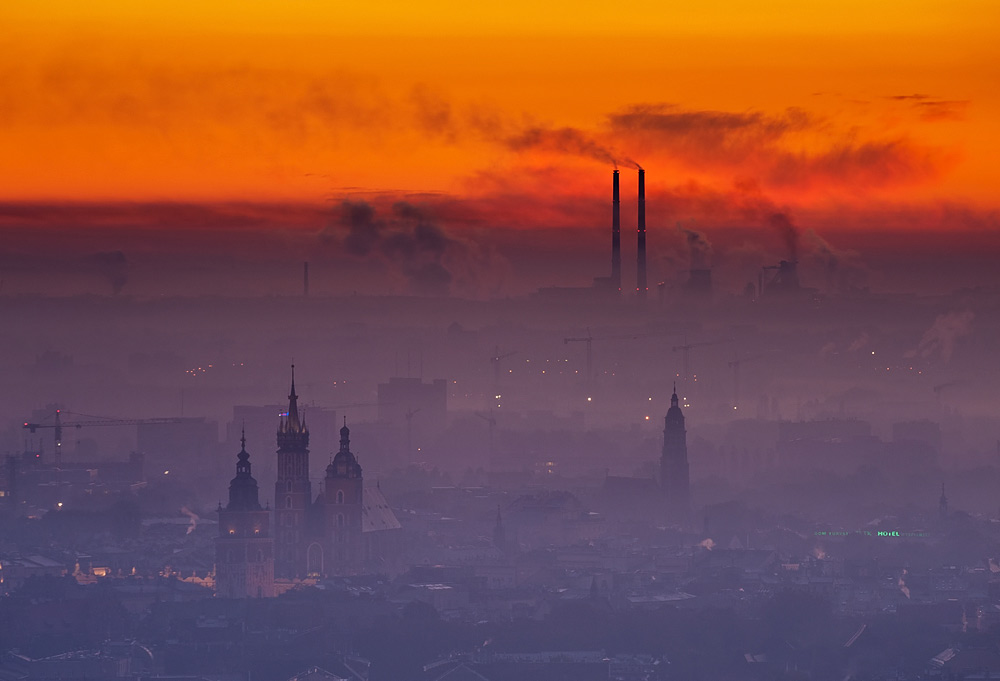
{"x":847,"y":113}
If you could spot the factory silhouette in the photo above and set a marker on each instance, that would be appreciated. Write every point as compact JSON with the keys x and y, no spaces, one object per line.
{"x":780,"y":280}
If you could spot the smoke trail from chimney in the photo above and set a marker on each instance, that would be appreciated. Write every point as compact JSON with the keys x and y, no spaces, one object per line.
{"x":641,"y":288}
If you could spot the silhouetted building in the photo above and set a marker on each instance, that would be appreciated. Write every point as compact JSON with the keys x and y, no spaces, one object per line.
{"x":292,"y":491}
{"x":675,"y":475}
{"x":346,"y":529}
{"x":699,"y":282}
{"x":244,"y":550}
{"x":338,"y":547}
{"x":784,"y":281}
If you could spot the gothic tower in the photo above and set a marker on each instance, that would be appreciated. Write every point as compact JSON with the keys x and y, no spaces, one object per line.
{"x":244,"y":550}
{"x":292,"y":491}
{"x":675,"y":476}
{"x":343,"y":497}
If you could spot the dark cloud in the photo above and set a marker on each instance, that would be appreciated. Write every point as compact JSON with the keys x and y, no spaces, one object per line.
{"x":569,"y":141}
{"x":114,"y":267}
{"x":788,"y":232}
{"x":671,"y":121}
{"x":942,"y":110}
{"x":699,"y":248}
{"x":418,"y":251}
{"x":363,"y":230}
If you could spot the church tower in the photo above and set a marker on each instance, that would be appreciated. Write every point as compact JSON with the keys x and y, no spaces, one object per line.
{"x":343,"y":498}
{"x":675,"y":476}
{"x":244,"y":550}
{"x":292,"y":491}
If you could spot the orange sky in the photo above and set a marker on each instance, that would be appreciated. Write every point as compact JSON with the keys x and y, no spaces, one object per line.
{"x":815,"y":105}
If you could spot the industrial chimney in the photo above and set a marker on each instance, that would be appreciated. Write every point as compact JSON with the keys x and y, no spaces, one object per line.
{"x":640,"y":267}
{"x":616,"y":238}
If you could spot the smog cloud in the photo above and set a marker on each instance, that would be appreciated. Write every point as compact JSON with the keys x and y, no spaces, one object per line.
{"x":943,"y":334}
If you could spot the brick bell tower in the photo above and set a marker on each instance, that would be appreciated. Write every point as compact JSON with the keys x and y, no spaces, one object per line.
{"x":244,"y":550}
{"x":292,"y":491}
{"x":343,"y":498}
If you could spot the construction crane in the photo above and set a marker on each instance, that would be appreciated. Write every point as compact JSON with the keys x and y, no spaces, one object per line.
{"x":58,"y":424}
{"x":492,"y":421}
{"x":941,"y":387}
{"x":735,"y":366}
{"x":589,"y":340}
{"x":686,"y":349}
{"x":495,"y":360}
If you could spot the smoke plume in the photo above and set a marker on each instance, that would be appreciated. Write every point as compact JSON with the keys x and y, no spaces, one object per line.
{"x":699,"y":248}
{"x":114,"y":267}
{"x":943,"y":334}
{"x":193,"y":516}
{"x":788,"y":232}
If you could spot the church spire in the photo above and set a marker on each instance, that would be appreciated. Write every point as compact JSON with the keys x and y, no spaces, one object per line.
{"x":243,"y":488}
{"x":293,"y":424}
{"x":345,"y":437}
{"x":243,"y":458}
{"x":292,"y":432}
{"x":344,"y":464}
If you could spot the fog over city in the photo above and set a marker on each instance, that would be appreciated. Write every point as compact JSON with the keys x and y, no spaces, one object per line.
{"x":450,"y":342}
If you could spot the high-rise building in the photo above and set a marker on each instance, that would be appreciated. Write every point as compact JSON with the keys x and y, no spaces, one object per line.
{"x":675,"y":474}
{"x":244,"y":550}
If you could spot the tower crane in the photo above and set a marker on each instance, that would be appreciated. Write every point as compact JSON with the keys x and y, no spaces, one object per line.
{"x":941,"y":387}
{"x":686,"y":356}
{"x":495,"y":360}
{"x":58,"y":424}
{"x":735,"y":365}
{"x":492,"y":421}
{"x":589,"y":340}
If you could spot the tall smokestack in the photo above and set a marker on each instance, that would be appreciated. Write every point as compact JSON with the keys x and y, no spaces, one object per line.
{"x":640,"y":266}
{"x":305,"y":279}
{"x":616,"y":238}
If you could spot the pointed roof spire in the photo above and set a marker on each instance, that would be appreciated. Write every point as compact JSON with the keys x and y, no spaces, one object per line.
{"x":243,"y":458}
{"x":292,"y":422}
{"x":673,"y":398}
{"x":345,"y":437}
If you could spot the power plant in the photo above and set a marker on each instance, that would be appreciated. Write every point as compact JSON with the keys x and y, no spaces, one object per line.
{"x":640,"y":263}
{"x":613,"y":283}
{"x":616,"y":236}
